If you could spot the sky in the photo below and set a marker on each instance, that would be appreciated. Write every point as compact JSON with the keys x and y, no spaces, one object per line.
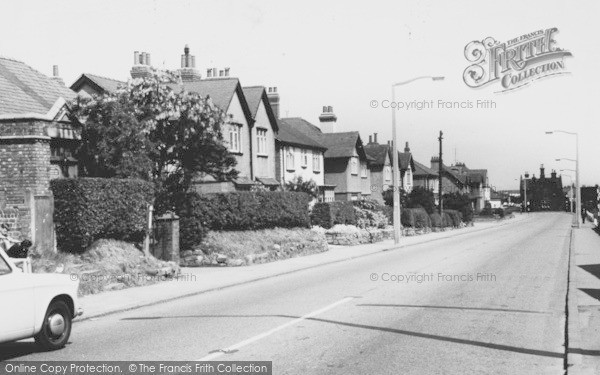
{"x":347,"y":54}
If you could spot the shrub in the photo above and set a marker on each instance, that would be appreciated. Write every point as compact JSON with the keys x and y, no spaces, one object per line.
{"x":238,"y":211}
{"x":455,"y":218}
{"x":369,"y":218}
{"x":300,"y":185}
{"x":88,"y":209}
{"x":447,"y":220}
{"x":436,"y":220}
{"x":415,"y":218}
{"x":499,"y":211}
{"x":420,"y":197}
{"x":327,"y":214}
{"x":459,"y":202}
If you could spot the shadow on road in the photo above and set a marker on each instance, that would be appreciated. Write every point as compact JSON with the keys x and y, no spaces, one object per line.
{"x":17,"y":349}
{"x":456,"y":308}
{"x":594,"y":293}
{"x":594,"y":269}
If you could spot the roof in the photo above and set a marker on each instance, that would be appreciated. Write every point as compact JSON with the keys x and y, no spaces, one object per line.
{"x":377,"y":152}
{"x":102,"y":84}
{"x":254,"y":95}
{"x":290,"y":135}
{"x":405,"y":160}
{"x":342,"y":145}
{"x":422,"y":170}
{"x":25,"y":91}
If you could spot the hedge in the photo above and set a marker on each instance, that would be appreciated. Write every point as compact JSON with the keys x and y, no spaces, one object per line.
{"x":436,"y":220}
{"x":415,"y":218}
{"x":238,"y":211}
{"x":454,"y":218}
{"x":328,"y":214}
{"x":88,"y":209}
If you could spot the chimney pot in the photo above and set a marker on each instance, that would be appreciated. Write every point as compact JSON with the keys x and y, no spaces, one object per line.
{"x":183,"y":61}
{"x":406,"y":148}
{"x":55,"y":70}
{"x":209,"y":73}
{"x":193,"y":61}
{"x":275,"y":89}
{"x":186,"y":49}
{"x":370,"y":139}
{"x":148,"y":59}
{"x":226,"y":72}
{"x":375,"y":137}
{"x":136,"y":57}
{"x":324,"y":109}
{"x":221,"y":73}
{"x":330,"y":109}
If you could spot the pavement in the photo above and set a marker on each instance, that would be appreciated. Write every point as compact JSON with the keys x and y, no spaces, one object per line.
{"x":193,"y":281}
{"x":490,"y":300}
{"x":584,"y":302}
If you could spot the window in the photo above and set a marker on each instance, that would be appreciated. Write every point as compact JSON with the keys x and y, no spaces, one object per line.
{"x":387,"y":173}
{"x":289,"y":159}
{"x":304,"y":158}
{"x":316,"y":157}
{"x":4,"y":267}
{"x":235,"y":138}
{"x":261,"y":141}
{"x":354,"y":165}
{"x":363,"y":170}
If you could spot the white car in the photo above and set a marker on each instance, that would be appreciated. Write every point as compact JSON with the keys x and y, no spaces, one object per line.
{"x":36,"y":305}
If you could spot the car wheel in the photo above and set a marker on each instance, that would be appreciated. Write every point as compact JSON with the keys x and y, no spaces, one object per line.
{"x":56,"y":328}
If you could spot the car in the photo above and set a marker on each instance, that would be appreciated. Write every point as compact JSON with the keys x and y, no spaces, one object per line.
{"x":36,"y":305}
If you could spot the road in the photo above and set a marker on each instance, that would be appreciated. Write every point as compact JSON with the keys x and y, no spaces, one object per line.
{"x":488,"y":302}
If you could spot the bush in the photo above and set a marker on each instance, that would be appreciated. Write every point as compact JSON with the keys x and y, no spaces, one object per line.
{"x":328,"y":214}
{"x":455,"y":218}
{"x":369,"y":218}
{"x":447,"y":220}
{"x":238,"y":211}
{"x":415,"y":218}
{"x":499,"y":212}
{"x":436,"y":220}
{"x":420,"y":197}
{"x":461,"y":203}
{"x":88,"y":209}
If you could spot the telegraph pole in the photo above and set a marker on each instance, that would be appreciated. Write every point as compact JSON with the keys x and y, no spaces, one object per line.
{"x":440,"y":206}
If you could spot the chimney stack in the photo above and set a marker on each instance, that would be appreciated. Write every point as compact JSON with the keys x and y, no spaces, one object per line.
{"x":435,"y":163}
{"x":273,"y":96}
{"x":406,"y":148}
{"x":542,"y":175}
{"x":375,"y":137}
{"x":141,"y":65}
{"x":328,"y":120}
{"x":370,"y":139}
{"x":56,"y":76}
{"x":188,"y":70}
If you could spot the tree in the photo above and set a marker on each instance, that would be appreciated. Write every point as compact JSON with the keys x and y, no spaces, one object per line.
{"x":298,"y":184}
{"x":388,"y":197}
{"x":459,"y":202}
{"x":153,"y":131}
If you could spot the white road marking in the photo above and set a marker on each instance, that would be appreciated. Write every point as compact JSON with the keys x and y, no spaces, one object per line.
{"x":260,"y":336}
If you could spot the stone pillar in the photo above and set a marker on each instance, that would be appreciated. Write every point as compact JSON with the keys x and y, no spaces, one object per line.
{"x":166,"y":241}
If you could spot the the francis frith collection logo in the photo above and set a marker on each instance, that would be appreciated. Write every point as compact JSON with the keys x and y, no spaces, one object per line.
{"x":514,"y":63}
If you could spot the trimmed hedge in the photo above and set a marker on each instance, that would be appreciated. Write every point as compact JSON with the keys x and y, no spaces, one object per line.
{"x":454,"y":218}
{"x":328,"y":214}
{"x":436,"y":220}
{"x":88,"y":209}
{"x":415,"y":218}
{"x":238,"y":211}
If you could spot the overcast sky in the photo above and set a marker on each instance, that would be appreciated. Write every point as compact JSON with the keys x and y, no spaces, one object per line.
{"x":346,"y":55}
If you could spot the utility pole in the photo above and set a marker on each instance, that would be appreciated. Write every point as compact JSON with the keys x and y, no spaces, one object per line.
{"x":441,"y":205}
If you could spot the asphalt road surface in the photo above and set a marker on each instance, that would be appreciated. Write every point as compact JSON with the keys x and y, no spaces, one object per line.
{"x":489,"y":302}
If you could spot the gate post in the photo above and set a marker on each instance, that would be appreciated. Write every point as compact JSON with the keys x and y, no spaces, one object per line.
{"x":166,"y":245}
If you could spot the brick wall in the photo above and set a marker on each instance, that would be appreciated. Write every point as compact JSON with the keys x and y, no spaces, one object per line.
{"x":24,"y":168}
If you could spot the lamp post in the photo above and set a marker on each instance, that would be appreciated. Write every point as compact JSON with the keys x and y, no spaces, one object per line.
{"x":577,"y":188}
{"x":395,"y":164}
{"x":525,"y":190}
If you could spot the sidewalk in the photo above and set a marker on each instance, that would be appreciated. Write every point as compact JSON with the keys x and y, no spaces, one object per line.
{"x":203,"y":279}
{"x":584,"y":302}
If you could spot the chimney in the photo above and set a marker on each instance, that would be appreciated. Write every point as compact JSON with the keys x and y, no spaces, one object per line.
{"x":141,"y":65}
{"x":542,"y":175}
{"x":328,"y":120}
{"x":209,"y":73}
{"x":188,"y":70}
{"x":370,"y":139}
{"x":553,"y":174}
{"x":226,"y":72}
{"x":56,"y":76}
{"x":273,"y":96}
{"x":375,"y":137}
{"x":406,"y":148}
{"x":435,"y":163}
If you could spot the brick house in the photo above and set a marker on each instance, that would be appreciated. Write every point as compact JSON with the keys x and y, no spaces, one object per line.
{"x":37,"y":141}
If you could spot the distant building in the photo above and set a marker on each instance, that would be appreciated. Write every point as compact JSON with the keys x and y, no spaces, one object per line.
{"x":590,"y":196}
{"x":458,"y":178}
{"x":543,"y":193}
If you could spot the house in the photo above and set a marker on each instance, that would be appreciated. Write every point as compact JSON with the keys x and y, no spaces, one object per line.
{"x":346,"y":164}
{"x":407,"y":168}
{"x":263,"y":134}
{"x":458,"y":178}
{"x":91,"y":84}
{"x":37,"y":142}
{"x":381,"y":167}
{"x":251,"y":124}
{"x":543,"y":193}
{"x":426,"y":178}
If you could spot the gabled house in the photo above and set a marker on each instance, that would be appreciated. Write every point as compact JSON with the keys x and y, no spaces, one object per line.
{"x":37,"y":142}
{"x":407,"y":168}
{"x":381,"y":167}
{"x":263,"y":134}
{"x":91,"y":84}
{"x":459,"y":178}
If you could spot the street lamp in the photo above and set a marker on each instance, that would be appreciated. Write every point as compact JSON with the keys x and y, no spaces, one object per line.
{"x":577,"y":188}
{"x":396,"y":165}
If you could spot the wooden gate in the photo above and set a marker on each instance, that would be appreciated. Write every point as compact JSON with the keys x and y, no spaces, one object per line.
{"x":43,"y":222}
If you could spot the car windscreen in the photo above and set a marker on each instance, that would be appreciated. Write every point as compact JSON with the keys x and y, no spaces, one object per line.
{"x":4,"y":267}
